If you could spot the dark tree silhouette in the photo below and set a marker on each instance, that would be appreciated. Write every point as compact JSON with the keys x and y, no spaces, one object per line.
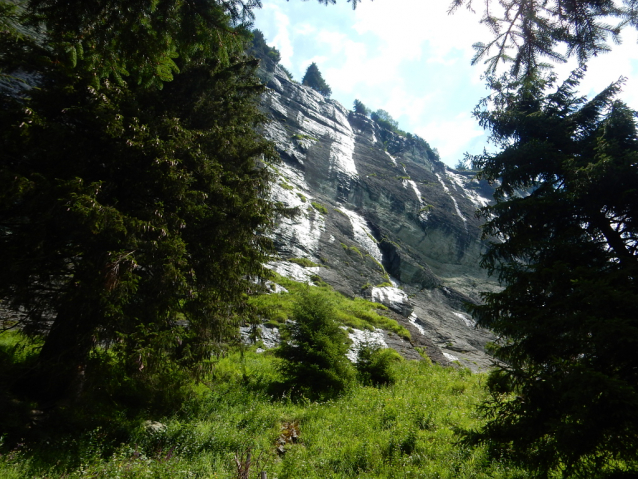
{"x":314,"y":80}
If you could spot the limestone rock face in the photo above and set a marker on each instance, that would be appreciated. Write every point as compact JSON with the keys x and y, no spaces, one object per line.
{"x":385,"y":218}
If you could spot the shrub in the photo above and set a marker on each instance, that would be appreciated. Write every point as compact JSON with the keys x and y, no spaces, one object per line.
{"x":374,"y":364}
{"x":360,"y":108}
{"x":314,"y":361}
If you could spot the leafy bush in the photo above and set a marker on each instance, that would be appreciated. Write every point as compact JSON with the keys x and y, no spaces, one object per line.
{"x":314,"y":358}
{"x":375,"y":364}
{"x":385,"y":120}
{"x":261,"y":49}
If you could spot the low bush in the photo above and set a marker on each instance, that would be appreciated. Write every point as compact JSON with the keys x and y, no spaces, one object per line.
{"x":375,"y":364}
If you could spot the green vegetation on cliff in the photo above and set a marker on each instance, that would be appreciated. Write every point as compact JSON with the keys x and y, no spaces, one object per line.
{"x":356,"y":313}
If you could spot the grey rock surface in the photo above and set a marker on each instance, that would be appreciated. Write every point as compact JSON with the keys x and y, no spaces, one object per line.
{"x":378,"y":208}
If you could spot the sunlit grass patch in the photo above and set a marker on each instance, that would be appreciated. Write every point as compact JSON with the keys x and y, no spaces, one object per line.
{"x":356,"y":313}
{"x":408,"y":429}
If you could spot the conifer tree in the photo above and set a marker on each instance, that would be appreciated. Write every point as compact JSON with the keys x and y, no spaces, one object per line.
{"x":384,"y":119}
{"x":564,"y":396}
{"x":360,"y":108}
{"x":261,"y":50}
{"x":314,"y":80}
{"x":314,"y":358}
{"x":527,"y":34}
{"x":133,"y":195}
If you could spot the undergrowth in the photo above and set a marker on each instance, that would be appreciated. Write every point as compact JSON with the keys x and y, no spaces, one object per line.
{"x":406,"y":430}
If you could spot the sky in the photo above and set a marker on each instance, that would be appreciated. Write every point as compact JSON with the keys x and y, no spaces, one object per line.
{"x":412,"y":59}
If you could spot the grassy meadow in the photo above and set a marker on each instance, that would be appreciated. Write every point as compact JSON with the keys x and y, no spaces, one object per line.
{"x":175,"y":428}
{"x":406,"y":430}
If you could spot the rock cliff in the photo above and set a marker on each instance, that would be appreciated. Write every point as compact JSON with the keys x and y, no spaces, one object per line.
{"x":382,"y":217}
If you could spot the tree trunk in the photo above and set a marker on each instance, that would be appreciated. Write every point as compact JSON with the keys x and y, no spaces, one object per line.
{"x":62,"y":359}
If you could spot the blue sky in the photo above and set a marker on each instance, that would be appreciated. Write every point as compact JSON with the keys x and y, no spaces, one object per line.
{"x":411,"y":58}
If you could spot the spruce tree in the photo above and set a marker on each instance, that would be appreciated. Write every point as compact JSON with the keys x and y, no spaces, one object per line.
{"x":526,"y":34}
{"x":564,"y":396}
{"x":133,"y":188}
{"x":359,"y":107}
{"x":315,"y":362}
{"x":314,"y":80}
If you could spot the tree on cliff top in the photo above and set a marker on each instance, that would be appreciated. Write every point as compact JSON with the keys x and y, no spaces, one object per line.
{"x":132,"y":193}
{"x":384,"y":119}
{"x":314,"y":80}
{"x":261,"y":50}
{"x":359,"y":107}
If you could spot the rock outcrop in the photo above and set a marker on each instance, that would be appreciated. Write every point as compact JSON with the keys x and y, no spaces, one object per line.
{"x":382,"y":215}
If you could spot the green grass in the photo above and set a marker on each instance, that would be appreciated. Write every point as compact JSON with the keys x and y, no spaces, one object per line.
{"x":297,"y":136}
{"x":302,"y":197}
{"x":305,"y":262}
{"x":408,"y":430}
{"x":352,"y":249}
{"x":356,"y":313}
{"x":319,"y":207}
{"x":380,"y":266}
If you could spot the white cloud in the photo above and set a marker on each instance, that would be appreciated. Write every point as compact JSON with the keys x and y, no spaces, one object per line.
{"x":304,"y":29}
{"x":607,"y":68}
{"x":279,"y":22}
{"x":404,"y":25}
{"x":403,"y":103}
{"x":450,"y":136}
{"x":412,"y":59}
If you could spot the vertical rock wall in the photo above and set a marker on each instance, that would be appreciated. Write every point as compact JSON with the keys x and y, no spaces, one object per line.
{"x":377,"y":209}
